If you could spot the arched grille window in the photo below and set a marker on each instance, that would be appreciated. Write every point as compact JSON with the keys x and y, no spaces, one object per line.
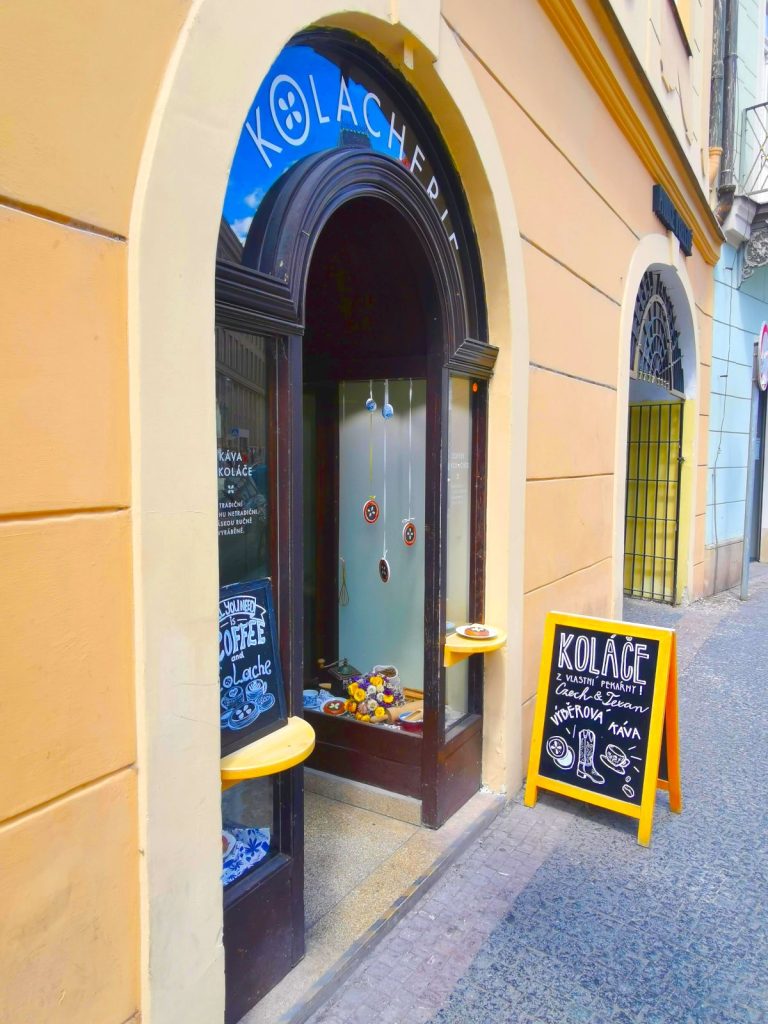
{"x":656,"y":353}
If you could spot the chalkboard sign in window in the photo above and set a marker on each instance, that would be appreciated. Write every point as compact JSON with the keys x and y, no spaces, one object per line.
{"x":252,"y":695}
{"x":607,"y":694}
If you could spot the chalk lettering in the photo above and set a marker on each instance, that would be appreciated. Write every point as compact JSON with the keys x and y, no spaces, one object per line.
{"x":563,"y":661}
{"x":575,"y":711}
{"x":627,"y":731}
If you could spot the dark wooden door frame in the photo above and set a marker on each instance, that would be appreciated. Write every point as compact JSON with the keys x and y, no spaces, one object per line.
{"x":264,"y":910}
{"x":272,"y":284}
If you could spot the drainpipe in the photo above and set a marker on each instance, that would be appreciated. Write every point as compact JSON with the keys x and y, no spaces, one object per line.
{"x":716,"y":86}
{"x":727,"y":187}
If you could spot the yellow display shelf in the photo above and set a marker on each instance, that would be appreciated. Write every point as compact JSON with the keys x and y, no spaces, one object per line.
{"x":287,"y":746}
{"x":457,"y":648}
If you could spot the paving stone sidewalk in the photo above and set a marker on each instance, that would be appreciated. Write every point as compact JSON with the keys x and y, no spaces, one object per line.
{"x":556,"y":915}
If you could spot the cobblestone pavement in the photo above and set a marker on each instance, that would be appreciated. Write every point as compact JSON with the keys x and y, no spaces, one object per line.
{"x":556,"y":915}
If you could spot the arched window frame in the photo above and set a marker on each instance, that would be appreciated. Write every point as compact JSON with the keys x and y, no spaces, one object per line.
{"x":656,"y":356}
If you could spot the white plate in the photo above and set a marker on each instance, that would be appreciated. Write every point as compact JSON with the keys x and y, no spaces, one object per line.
{"x":462,"y":631}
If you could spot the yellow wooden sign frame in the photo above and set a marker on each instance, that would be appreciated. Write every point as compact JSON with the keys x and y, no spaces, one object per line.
{"x":663,"y":712}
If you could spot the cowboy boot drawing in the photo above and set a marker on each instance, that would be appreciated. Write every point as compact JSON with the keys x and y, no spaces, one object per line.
{"x":586,"y":766}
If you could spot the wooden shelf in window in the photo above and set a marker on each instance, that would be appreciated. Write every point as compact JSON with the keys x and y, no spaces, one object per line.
{"x":287,"y":746}
{"x":457,"y":648}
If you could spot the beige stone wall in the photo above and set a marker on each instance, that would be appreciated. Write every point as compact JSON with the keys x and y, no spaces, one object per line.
{"x":581,"y":218}
{"x":78,"y":84}
{"x":119,"y":120}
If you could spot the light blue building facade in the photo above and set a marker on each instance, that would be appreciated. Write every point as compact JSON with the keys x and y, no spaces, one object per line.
{"x":740,"y":300}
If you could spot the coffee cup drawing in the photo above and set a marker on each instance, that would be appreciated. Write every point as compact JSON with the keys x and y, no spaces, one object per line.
{"x":615,"y":759}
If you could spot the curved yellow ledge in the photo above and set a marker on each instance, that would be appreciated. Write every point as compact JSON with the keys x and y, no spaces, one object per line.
{"x":287,"y":746}
{"x":457,"y":648}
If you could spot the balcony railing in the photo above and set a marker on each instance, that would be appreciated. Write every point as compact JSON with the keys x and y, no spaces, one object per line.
{"x":753,"y":176}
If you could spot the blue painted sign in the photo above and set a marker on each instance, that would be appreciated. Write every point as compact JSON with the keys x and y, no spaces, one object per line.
{"x":307,"y":104}
{"x":669,"y":216}
{"x":251,"y":681}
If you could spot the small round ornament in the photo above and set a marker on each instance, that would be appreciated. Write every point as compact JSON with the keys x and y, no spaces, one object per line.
{"x":387,"y":411}
{"x":370,"y":404}
{"x":409,"y":534}
{"x":384,"y":570}
{"x":371,"y":511}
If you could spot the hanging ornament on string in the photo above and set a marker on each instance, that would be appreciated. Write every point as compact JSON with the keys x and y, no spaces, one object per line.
{"x":409,"y":525}
{"x":387,"y":412}
{"x":343,"y":592}
{"x":370,"y":506}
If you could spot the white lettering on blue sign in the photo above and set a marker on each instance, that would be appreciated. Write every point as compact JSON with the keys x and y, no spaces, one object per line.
{"x":298,"y":108}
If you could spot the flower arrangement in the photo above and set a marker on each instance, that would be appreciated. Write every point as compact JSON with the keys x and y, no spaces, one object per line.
{"x":370,"y":696}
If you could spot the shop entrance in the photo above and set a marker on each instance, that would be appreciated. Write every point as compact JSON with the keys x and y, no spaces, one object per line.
{"x":654,"y":446}
{"x":364,"y":601}
{"x":375,"y":413}
{"x":348,"y":286}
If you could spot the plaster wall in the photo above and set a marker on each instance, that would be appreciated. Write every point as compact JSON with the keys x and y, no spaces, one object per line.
{"x":588,"y":236}
{"x":112,"y":172}
{"x":76,"y":107}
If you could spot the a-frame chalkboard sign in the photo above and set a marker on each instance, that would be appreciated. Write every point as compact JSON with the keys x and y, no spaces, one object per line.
{"x":605,"y":707}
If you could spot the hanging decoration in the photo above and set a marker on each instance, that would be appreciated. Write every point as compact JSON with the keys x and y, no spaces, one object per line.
{"x":387,"y":412}
{"x":343,"y":592}
{"x":370,"y":506}
{"x":409,"y":526}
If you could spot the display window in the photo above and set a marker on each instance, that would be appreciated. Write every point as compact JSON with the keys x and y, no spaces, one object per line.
{"x":244,"y":449}
{"x":247,"y":812}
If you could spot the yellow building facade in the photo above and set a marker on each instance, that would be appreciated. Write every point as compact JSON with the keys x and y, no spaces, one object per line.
{"x":118,"y":129}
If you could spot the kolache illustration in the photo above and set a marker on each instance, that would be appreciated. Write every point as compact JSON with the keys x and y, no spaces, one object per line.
{"x":242,"y":705}
{"x":561,"y":752}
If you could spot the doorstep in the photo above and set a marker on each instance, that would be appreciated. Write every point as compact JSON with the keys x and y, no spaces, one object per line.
{"x":360,"y":918}
{"x":360,"y":794}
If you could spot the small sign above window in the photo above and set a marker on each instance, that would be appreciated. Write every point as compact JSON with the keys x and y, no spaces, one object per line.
{"x":669,"y":216}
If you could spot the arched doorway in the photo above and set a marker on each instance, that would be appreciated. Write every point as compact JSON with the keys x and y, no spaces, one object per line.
{"x":654,"y":445}
{"x":184,"y":171}
{"x":356,"y":275}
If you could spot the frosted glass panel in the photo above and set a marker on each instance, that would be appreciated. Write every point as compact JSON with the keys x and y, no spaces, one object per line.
{"x":459,"y":528}
{"x":383,"y":622}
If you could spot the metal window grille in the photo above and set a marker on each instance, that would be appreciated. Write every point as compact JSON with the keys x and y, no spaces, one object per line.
{"x":656,"y":355}
{"x":653,"y":500}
